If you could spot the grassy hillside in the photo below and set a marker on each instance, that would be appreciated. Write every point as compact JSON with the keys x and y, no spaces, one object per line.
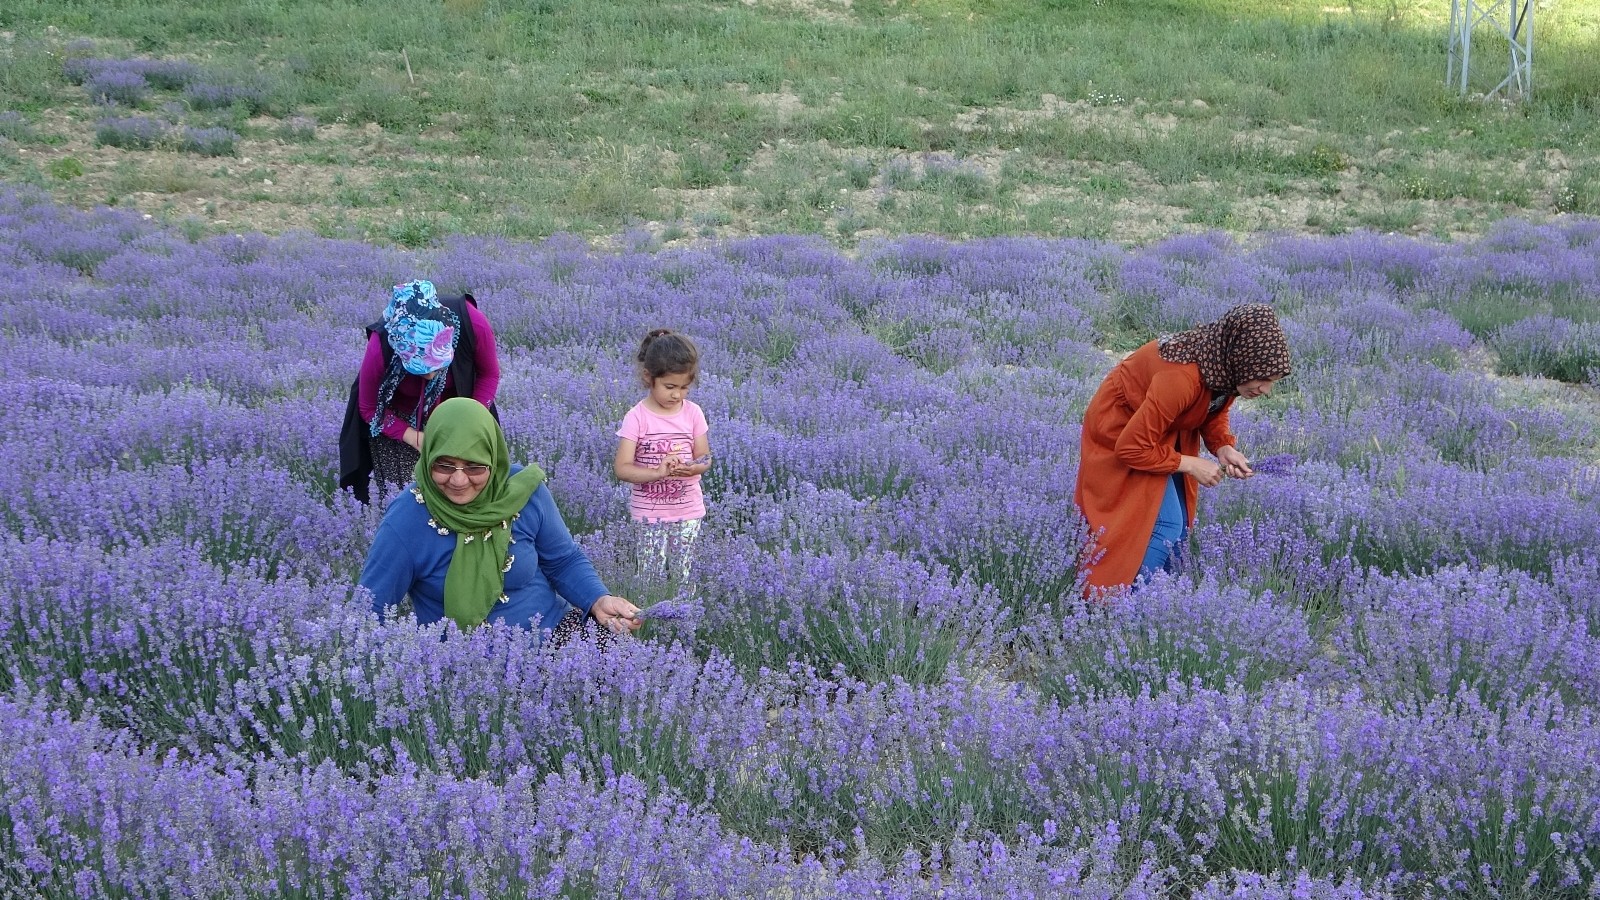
{"x":406,"y":120}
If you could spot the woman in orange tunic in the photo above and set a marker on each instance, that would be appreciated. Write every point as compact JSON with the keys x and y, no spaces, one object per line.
{"x":1141,"y":469}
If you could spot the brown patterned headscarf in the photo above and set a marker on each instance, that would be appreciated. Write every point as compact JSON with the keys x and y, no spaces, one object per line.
{"x":1246,"y":344}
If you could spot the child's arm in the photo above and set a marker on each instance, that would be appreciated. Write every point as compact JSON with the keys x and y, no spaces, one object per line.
{"x":701,"y":462}
{"x":633,"y":473}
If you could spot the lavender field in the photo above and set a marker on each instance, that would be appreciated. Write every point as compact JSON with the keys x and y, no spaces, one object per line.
{"x":1380,"y":677}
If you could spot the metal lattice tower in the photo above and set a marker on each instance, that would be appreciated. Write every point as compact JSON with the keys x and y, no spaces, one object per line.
{"x":1512,"y":20}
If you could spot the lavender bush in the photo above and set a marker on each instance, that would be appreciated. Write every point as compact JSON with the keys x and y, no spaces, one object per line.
{"x":1499,"y":636}
{"x":1376,"y":676}
{"x":1549,"y":346}
{"x":1300,"y":571}
{"x":164,"y":74}
{"x":117,"y":87}
{"x":131,"y":132}
{"x":1173,"y":632}
{"x":14,"y":126}
{"x":875,"y":616}
{"x":206,"y":94}
{"x":298,"y":129}
{"x":215,"y":141}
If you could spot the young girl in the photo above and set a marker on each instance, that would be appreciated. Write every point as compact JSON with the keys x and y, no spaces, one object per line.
{"x":663,"y":450}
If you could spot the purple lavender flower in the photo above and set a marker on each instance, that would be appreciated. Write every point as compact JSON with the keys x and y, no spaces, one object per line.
{"x":78,"y":67}
{"x":166,"y":74}
{"x":117,"y":87}
{"x":221,"y":95}
{"x":1277,"y":464}
{"x":676,"y":612}
{"x":169,"y":74}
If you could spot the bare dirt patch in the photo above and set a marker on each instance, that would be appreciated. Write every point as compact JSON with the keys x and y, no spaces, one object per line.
{"x":1137,"y":118}
{"x":827,"y":10}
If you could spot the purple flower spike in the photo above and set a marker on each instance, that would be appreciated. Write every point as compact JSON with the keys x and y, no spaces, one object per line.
{"x":1277,"y":464}
{"x":674,"y":611}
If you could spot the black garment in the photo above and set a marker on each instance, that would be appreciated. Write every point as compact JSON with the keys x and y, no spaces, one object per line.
{"x":355,"y":453}
{"x":393,"y":464}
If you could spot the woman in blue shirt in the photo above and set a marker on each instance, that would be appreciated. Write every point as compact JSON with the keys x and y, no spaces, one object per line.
{"x":478,"y":539}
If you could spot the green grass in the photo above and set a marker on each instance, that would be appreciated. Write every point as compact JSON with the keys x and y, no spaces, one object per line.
{"x":716,"y":118}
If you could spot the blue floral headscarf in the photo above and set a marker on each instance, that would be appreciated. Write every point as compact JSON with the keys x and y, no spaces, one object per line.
{"x":423,"y":334}
{"x":422,"y":331}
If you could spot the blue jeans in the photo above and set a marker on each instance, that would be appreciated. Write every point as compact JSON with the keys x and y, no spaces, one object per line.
{"x":1166,"y":541}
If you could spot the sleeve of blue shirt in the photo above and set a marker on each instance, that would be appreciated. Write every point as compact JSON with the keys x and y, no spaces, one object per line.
{"x":560,"y":558}
{"x":388,"y":572}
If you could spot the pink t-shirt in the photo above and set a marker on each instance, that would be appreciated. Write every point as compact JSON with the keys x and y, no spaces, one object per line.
{"x":656,"y":437}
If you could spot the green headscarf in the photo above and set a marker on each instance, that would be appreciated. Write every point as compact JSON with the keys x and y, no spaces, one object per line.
{"x":475,"y":582}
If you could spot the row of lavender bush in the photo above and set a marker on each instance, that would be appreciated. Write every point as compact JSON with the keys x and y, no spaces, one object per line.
{"x":127,"y":82}
{"x":1378,"y":677}
{"x":120,"y":83}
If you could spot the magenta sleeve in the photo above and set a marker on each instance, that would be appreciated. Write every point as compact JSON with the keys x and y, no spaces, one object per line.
{"x":367,"y":382}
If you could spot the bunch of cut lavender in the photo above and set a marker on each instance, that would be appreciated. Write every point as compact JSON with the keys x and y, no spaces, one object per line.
{"x":1277,"y":464}
{"x":677,"y":611}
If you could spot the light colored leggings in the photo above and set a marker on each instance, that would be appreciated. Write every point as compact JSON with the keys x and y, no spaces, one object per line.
{"x":666,"y":549}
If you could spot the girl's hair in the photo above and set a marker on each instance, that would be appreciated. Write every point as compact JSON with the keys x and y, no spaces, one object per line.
{"x":666,"y":352}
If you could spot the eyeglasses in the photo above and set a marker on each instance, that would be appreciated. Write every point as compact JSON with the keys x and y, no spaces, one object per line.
{"x":471,"y":470}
